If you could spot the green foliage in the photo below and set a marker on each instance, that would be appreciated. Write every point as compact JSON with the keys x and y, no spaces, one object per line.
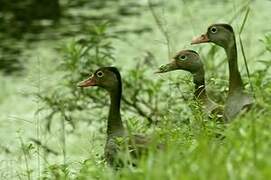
{"x":55,"y":171}
{"x":104,"y":33}
{"x":9,"y":62}
{"x":83,"y":57}
{"x":267,"y":42}
{"x":79,"y":60}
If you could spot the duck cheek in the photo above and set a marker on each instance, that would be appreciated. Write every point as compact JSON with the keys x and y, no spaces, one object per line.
{"x":188,"y":64}
{"x":219,"y":43}
{"x":217,"y":40}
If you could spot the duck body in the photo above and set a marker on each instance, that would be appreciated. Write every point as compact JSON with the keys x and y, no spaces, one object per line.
{"x":209,"y":106}
{"x":116,"y":146}
{"x":189,"y":60}
{"x":236,"y":102}
{"x":117,"y":139}
{"x":212,"y":108}
{"x":237,"y":99}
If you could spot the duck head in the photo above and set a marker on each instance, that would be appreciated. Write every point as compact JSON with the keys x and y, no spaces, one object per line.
{"x":220,"y":34}
{"x":187,"y":60}
{"x":106,"y":77}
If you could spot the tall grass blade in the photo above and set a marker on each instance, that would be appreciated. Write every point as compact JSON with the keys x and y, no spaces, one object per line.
{"x":243,"y":51}
{"x":244,"y":21}
{"x":251,"y":87}
{"x":160,"y":27}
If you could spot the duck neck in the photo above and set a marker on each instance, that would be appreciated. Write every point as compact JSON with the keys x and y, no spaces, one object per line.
{"x":235,"y":81}
{"x":114,"y":124}
{"x":199,"y":81}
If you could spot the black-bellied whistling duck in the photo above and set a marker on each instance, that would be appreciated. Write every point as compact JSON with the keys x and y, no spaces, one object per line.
{"x":109,"y":79}
{"x":237,"y":99}
{"x":189,"y":60}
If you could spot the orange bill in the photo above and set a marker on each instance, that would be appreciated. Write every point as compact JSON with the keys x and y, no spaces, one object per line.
{"x":167,"y":67}
{"x":201,"y":39}
{"x":88,"y":82}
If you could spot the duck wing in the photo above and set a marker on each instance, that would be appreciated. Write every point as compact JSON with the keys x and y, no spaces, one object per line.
{"x":236,"y":103}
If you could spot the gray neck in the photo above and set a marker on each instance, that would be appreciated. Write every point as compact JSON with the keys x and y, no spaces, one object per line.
{"x":114,"y":124}
{"x":199,"y":81}
{"x":235,"y":81}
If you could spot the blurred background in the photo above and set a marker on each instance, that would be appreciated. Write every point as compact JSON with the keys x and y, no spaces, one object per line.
{"x":48,"y":46}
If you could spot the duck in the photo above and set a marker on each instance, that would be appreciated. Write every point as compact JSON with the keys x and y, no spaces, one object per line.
{"x":238,"y":100}
{"x":189,"y":60}
{"x":109,"y":78}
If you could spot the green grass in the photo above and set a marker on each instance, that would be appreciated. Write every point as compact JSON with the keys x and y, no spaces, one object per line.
{"x":192,"y":150}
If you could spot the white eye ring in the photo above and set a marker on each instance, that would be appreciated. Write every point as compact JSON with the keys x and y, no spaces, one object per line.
{"x":100,"y":74}
{"x":213,"y":29}
{"x":182,"y":57}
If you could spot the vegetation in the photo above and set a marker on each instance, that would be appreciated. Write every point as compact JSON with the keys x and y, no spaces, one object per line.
{"x":51,"y":129}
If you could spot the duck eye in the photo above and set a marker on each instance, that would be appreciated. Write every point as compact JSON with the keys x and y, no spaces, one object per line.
{"x":213,"y":29}
{"x":100,"y":74}
{"x":183,"y":57}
